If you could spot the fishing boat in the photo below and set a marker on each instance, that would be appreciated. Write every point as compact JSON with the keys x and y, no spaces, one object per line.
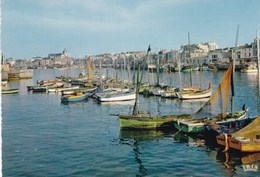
{"x":195,"y":94}
{"x":3,"y":83}
{"x":147,"y":121}
{"x":37,"y":88}
{"x":143,"y":120}
{"x":79,"y":90}
{"x":170,"y":93}
{"x":54,"y":83}
{"x":118,"y":96}
{"x":158,"y":91}
{"x":60,"y":89}
{"x":10,"y":91}
{"x":190,"y":126}
{"x":71,"y":89}
{"x":203,"y":125}
{"x":249,"y":69}
{"x":215,"y":109}
{"x":245,"y":140}
{"x":76,"y":97}
{"x":205,"y":68}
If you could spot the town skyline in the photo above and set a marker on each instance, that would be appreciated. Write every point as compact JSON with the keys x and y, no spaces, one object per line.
{"x":37,"y":28}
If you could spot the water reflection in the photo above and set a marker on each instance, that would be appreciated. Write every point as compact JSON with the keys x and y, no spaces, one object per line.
{"x":190,"y":140}
{"x":136,"y":139}
{"x":233,"y":161}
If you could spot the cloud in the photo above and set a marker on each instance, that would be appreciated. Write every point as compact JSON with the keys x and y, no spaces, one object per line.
{"x":98,"y":15}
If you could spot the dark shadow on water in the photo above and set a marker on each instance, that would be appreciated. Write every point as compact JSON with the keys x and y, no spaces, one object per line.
{"x":233,"y":160}
{"x":134,"y":138}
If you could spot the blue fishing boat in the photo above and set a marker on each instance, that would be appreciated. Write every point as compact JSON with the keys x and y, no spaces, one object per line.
{"x":76,"y":97}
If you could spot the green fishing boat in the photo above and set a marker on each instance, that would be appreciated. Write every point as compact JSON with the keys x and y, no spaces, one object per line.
{"x":146,"y":121}
{"x":142,"y":120}
{"x":192,"y":126}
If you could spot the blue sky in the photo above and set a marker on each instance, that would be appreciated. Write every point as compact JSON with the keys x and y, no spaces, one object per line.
{"x":39,"y":27}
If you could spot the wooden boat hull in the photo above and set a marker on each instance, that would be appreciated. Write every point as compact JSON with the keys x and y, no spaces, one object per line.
{"x":238,"y":116}
{"x":39,"y":89}
{"x":169,"y":94}
{"x":221,"y":140}
{"x":240,"y":145}
{"x":244,"y":146}
{"x":72,"y":98}
{"x":3,"y":83}
{"x":249,"y":71}
{"x":246,"y":139}
{"x":76,"y":89}
{"x":117,"y":97}
{"x":194,"y":95}
{"x":10,"y":91}
{"x":147,"y":121}
{"x":190,"y":127}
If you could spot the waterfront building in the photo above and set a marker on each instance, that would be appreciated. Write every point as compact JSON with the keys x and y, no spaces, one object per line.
{"x":244,"y":54}
{"x":197,"y":54}
{"x":219,"y":56}
{"x":254,"y":48}
{"x":4,"y":72}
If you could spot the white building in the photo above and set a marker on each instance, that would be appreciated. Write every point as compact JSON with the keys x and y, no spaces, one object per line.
{"x":219,"y":56}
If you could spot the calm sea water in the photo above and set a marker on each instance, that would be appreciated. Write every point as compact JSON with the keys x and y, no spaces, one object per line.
{"x":43,"y":137}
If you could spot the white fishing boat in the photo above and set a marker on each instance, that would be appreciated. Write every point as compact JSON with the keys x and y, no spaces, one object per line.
{"x":171,"y":93}
{"x":10,"y":91}
{"x":4,"y":83}
{"x":60,"y":89}
{"x":195,"y":94}
{"x":78,"y":90}
{"x":249,"y":69}
{"x":118,"y":96}
{"x":158,"y":91}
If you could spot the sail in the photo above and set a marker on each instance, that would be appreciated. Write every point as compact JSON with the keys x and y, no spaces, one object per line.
{"x":90,"y":70}
{"x":250,"y":131}
{"x":217,"y":104}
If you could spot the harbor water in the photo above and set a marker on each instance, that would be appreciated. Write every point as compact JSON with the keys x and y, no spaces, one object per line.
{"x":43,"y":137}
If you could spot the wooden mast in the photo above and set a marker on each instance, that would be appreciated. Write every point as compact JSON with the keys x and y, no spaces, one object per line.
{"x":138,"y":84}
{"x":190,"y":60}
{"x":258,"y":60}
{"x":179,"y":69}
{"x":232,"y":76}
{"x":157,"y":71}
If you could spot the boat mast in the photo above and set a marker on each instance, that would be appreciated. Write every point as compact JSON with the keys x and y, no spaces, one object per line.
{"x":179,"y":67}
{"x":232,"y":75}
{"x":135,"y":110}
{"x":138,"y":83}
{"x":190,"y":60}
{"x":1,"y":120}
{"x":100,"y":70}
{"x":157,"y":70}
{"x":201,"y":70}
{"x":258,"y":59}
{"x":133,"y":79}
